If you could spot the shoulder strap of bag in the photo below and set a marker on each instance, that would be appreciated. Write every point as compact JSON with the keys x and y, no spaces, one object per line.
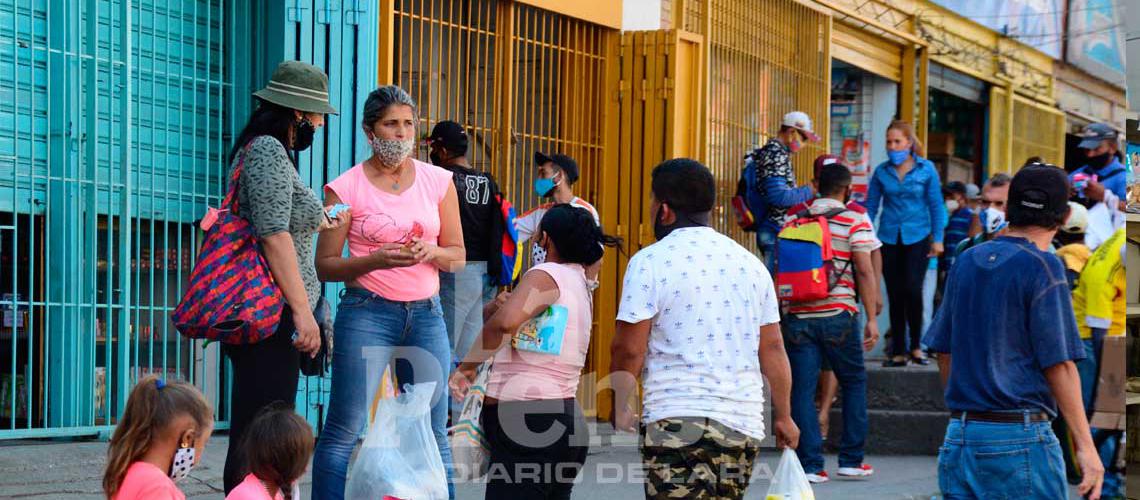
{"x":231,"y":200}
{"x":830,"y":282}
{"x":1112,"y":174}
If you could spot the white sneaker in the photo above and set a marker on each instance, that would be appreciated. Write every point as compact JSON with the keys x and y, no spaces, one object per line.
{"x":817,"y":478}
{"x":860,"y":471}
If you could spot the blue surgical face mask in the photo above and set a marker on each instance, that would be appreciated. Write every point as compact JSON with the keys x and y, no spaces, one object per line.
{"x":544,"y":187}
{"x":897,"y":157}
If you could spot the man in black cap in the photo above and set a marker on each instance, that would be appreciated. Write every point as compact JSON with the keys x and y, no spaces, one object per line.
{"x":1101,"y":145}
{"x":556,"y":177}
{"x":464,"y":293}
{"x":1007,"y":339}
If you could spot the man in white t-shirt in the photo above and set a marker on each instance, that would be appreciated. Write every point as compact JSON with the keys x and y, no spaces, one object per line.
{"x":557,"y":175}
{"x":699,"y":313}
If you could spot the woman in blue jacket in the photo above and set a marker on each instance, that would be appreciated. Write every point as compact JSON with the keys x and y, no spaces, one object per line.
{"x":909,"y":191}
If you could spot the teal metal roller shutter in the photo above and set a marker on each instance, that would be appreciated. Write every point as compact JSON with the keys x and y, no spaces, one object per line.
{"x":341,"y":38}
{"x":115,"y":121}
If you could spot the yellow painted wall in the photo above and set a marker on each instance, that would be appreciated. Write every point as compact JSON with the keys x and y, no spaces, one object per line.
{"x":601,"y":12}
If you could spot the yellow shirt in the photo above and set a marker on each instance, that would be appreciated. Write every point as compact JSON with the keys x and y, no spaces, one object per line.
{"x":1099,"y":296}
{"x":1074,"y":256}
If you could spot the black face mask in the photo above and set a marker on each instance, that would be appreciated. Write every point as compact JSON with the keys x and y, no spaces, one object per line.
{"x":661,"y":230}
{"x":1100,"y":161}
{"x":303,"y":135}
{"x":435,"y":159}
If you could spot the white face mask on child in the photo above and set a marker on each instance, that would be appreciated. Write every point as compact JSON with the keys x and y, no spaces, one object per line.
{"x":183,"y":463}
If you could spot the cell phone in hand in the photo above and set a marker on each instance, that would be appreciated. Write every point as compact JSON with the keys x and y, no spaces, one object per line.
{"x":335,"y":210}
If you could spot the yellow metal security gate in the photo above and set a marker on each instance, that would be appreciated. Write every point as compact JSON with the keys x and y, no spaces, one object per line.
{"x":1020,"y":128}
{"x":765,"y":59}
{"x":520,"y":79}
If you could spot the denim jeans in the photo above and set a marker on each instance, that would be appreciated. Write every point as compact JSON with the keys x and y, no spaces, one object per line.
{"x":1000,"y":460}
{"x":766,"y":244}
{"x":462,"y":296}
{"x":371,"y":332}
{"x":808,"y":341}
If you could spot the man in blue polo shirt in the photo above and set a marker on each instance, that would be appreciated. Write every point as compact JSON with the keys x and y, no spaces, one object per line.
{"x":1101,"y":144}
{"x":1006,"y":339}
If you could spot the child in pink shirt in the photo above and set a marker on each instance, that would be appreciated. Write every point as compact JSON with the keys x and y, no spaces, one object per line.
{"x":277,"y":444}
{"x":158,"y":440}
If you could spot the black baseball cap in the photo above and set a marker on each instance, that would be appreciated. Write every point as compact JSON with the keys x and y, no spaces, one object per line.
{"x":1040,"y":187}
{"x":955,"y":187}
{"x":450,"y":135}
{"x":1094,"y":134}
{"x":563,"y":162}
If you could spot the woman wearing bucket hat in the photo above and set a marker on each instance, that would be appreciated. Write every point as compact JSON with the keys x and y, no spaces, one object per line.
{"x":285,"y":214}
{"x":403,"y":231}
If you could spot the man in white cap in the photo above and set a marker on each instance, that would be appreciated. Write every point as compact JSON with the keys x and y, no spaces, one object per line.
{"x":973,"y":200}
{"x":777,"y":180}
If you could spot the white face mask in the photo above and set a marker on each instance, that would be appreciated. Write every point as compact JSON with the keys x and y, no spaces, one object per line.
{"x":183,"y":463}
{"x":391,"y":152}
{"x":952,"y":206}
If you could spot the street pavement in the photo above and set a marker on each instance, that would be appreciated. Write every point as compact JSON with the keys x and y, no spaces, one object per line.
{"x":62,"y":469}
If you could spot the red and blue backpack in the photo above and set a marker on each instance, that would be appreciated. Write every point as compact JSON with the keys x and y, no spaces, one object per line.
{"x":804,"y":267}
{"x":232,"y":297}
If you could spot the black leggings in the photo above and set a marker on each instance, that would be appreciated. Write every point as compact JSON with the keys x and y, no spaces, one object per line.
{"x":904,"y":268}
{"x":537,"y":448}
{"x":264,"y":373}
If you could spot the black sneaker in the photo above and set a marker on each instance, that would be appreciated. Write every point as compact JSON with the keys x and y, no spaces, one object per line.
{"x":894,"y":363}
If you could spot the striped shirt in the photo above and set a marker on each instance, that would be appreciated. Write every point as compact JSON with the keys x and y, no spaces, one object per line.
{"x":851,"y":231}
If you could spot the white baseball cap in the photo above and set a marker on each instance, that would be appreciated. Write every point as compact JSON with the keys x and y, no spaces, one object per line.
{"x":801,"y":122}
{"x":972,"y":192}
{"x":1078,"y":219}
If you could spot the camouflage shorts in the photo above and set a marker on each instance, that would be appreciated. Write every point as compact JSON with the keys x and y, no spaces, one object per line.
{"x":696,"y":458}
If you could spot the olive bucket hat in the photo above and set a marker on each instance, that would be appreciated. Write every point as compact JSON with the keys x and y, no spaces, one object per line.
{"x":300,"y":86}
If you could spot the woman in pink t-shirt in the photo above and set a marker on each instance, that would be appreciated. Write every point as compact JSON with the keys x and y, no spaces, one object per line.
{"x":539,"y":338}
{"x":161,"y":436}
{"x":403,"y":230}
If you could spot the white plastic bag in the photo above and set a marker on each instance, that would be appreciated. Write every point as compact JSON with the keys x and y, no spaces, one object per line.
{"x":400,"y":457}
{"x":469,"y":452}
{"x":789,"y":482}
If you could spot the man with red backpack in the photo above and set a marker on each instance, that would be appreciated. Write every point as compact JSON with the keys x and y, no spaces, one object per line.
{"x":820,"y":320}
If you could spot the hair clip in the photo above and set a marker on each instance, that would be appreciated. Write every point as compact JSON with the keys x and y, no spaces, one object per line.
{"x":159,"y":383}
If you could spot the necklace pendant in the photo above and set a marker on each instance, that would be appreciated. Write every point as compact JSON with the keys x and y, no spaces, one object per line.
{"x":396,"y":186}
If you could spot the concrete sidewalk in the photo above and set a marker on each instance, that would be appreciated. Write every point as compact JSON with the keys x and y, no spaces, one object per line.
{"x":50,"y":470}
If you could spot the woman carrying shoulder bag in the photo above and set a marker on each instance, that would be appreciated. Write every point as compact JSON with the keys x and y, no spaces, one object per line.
{"x":285,"y":215}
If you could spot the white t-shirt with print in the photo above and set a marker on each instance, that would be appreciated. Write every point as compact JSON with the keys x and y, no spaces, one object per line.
{"x":528,"y":225}
{"x":707,"y":297}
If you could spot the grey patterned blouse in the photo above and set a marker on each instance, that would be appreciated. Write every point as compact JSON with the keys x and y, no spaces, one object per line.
{"x":272,"y":197}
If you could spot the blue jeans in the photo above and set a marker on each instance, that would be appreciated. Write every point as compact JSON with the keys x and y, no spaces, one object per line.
{"x":1089,"y":370}
{"x":372,"y":331}
{"x":1000,"y":460}
{"x":462,"y":296}
{"x":766,"y":244}
{"x":836,"y":339}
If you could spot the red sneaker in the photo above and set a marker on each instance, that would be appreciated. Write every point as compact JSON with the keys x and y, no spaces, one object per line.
{"x":818,"y":477}
{"x":860,"y":471}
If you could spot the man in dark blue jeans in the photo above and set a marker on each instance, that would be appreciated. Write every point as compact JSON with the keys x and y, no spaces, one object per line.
{"x":1007,"y":339}
{"x":826,"y":329}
